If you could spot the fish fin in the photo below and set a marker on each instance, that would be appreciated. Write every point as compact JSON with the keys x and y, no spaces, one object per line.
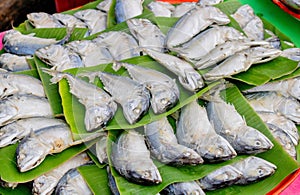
{"x":90,"y":75}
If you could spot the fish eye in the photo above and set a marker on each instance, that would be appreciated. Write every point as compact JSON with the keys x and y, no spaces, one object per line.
{"x":260,"y":172}
{"x":220,"y":150}
{"x":257,"y":143}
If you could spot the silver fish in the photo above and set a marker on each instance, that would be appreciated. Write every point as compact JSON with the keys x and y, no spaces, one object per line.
{"x":72,"y":183}
{"x":23,"y":106}
{"x":45,"y":184}
{"x":222,"y":177}
{"x":292,"y":54}
{"x":99,"y":105}
{"x":253,"y":169}
{"x":131,"y":158}
{"x":183,"y":8}
{"x":288,"y":87}
{"x":101,"y":147}
{"x":59,"y":57}
{"x":92,"y":54}
{"x":164,"y":90}
{"x":95,"y":20}
{"x":112,"y":39}
{"x":13,"y":62}
{"x":195,"y":131}
{"x":193,"y":22}
{"x":10,"y":84}
{"x":43,"y":20}
{"x":232,"y":126}
{"x":112,"y":182}
{"x":200,"y":46}
{"x":69,"y":20}
{"x":15,"y":131}
{"x":161,"y":9}
{"x":125,"y":10}
{"x":17,"y":43}
{"x":183,"y":188}
{"x":148,"y":35}
{"x":187,"y":75}
{"x":104,"y":5}
{"x":209,"y":2}
{"x":222,"y":51}
{"x":241,"y":62}
{"x":276,"y":103}
{"x":163,"y":145}
{"x":131,"y":95}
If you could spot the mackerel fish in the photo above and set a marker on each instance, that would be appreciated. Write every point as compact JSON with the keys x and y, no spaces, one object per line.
{"x":292,"y":54}
{"x":14,"y":63}
{"x":161,"y":9}
{"x":104,"y":5}
{"x":112,"y":182}
{"x":183,"y":8}
{"x":101,"y":148}
{"x":183,"y":188}
{"x":43,"y":20}
{"x":125,"y":10}
{"x":69,"y":20}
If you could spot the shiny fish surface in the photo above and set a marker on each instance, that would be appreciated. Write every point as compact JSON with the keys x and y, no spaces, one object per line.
{"x":43,"y":20}
{"x":10,"y":84}
{"x":148,"y":35}
{"x":15,"y":131}
{"x":13,"y":62}
{"x":69,"y":20}
{"x":163,"y":145}
{"x":101,"y":148}
{"x":200,"y":46}
{"x":276,"y":103}
{"x":100,"y":107}
{"x":241,"y":62}
{"x":112,"y":182}
{"x":23,"y":106}
{"x":17,"y":43}
{"x":187,"y":75}
{"x":59,"y":57}
{"x":125,"y":10}
{"x":164,"y":90}
{"x":131,"y":158}
{"x":183,"y":188}
{"x":94,"y":19}
{"x":45,"y":184}
{"x":183,"y":8}
{"x":92,"y":54}
{"x":254,"y":169}
{"x":104,"y":5}
{"x":161,"y":9}
{"x":209,"y":2}
{"x":222,"y":177}
{"x":193,"y":23}
{"x":232,"y":126}
{"x":292,"y":54}
{"x":288,"y":87}
{"x":195,"y":131}
{"x":72,"y":183}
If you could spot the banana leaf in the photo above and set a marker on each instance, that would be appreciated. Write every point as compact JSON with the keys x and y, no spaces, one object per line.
{"x":20,"y":189}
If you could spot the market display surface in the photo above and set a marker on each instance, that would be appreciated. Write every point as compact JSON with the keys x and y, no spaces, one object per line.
{"x":148,"y":97}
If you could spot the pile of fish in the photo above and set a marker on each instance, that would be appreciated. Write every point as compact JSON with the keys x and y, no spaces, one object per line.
{"x":209,"y":131}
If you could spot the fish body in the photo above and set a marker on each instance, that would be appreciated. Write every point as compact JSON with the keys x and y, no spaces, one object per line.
{"x":292,"y":54}
{"x":69,"y":20}
{"x":187,"y":75}
{"x":104,"y":5}
{"x":112,"y":182}
{"x":101,"y":148}
{"x":163,"y":145}
{"x":72,"y":183}
{"x":15,"y":131}
{"x":125,"y":10}
{"x":10,"y":85}
{"x":23,"y":106}
{"x":209,"y":2}
{"x":232,"y":126}
{"x":161,"y":9}
{"x":183,"y":188}
{"x":183,"y":8}
{"x":45,"y":184}
{"x":43,"y":20}
{"x":13,"y":62}
{"x":59,"y":57}
{"x":193,"y":22}
{"x":148,"y":35}
{"x":164,"y":90}
{"x":131,"y":158}
{"x":253,"y":169}
{"x":99,"y":105}
{"x":222,"y":177}
{"x":195,"y":131}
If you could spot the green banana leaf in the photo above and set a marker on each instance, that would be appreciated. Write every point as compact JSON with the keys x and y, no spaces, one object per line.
{"x":20,"y":189}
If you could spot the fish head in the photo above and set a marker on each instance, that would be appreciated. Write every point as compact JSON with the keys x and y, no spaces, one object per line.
{"x":7,"y":111}
{"x":192,"y":80}
{"x":37,"y":17}
{"x":290,"y":108}
{"x":224,"y":175}
{"x":10,"y":134}
{"x":294,"y":89}
{"x":50,"y":54}
{"x":146,"y":176}
{"x":253,"y":141}
{"x":262,"y":54}
{"x":44,"y":184}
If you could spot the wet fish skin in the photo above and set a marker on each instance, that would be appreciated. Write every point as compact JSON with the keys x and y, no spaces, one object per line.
{"x":43,"y":20}
{"x":69,"y":20}
{"x":15,"y":131}
{"x":193,"y":23}
{"x":23,"y":106}
{"x":209,"y":2}
{"x":253,"y":169}
{"x":164,"y":90}
{"x":104,"y":5}
{"x":183,"y":8}
{"x":13,"y":62}
{"x":183,"y":188}
{"x":99,"y":105}
{"x":187,"y":75}
{"x":195,"y":131}
{"x":112,"y":182}
{"x":292,"y":54}
{"x":72,"y":183}
{"x":10,"y":84}
{"x":101,"y":148}
{"x":46,"y":183}
{"x":131,"y":158}
{"x":161,"y":9}
{"x":163,"y":145}
{"x":222,"y":177}
{"x":125,"y":10}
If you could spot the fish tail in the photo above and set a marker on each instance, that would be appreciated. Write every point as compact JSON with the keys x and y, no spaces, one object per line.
{"x":56,"y":75}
